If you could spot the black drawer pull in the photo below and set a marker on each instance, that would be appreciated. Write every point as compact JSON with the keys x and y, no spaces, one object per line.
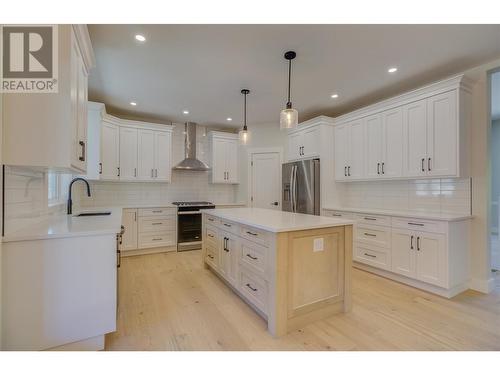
{"x":252,"y":234}
{"x":157,"y":211}
{"x":156,"y":223}
{"x":251,"y":257}
{"x":210,"y":219}
{"x":210,"y":235}
{"x":417,"y":224}
{"x":370,"y":255}
{"x":210,"y":256}
{"x":227,"y":225}
{"x":370,"y":234}
{"x":157,"y":239}
{"x":370,"y":218}
{"x":249,"y":286}
{"x":337,"y":215}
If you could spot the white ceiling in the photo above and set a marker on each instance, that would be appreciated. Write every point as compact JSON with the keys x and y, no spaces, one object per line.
{"x":202,"y":68}
{"x":495,"y":96}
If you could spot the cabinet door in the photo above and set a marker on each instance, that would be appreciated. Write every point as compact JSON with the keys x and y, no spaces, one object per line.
{"x":392,"y":141}
{"x":110,"y":151}
{"x":129,"y":238}
{"x":415,"y":143}
{"x":229,"y":257}
{"x":76,"y":97}
{"x":294,"y":146}
{"x":442,"y":131}
{"x":431,"y":258}
{"x":219,"y":161}
{"x":341,"y":135}
{"x":374,"y":141}
{"x":146,"y":155}
{"x":356,"y":150}
{"x":403,"y":248}
{"x":128,"y":153}
{"x":232,"y":161}
{"x":82,"y":116}
{"x":163,"y":156}
{"x":310,"y":142}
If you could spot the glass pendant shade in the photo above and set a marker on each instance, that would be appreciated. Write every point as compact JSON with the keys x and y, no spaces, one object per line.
{"x":244,"y":136}
{"x":289,"y":118}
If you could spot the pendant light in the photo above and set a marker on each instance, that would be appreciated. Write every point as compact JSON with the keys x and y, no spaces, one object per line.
{"x":244,"y":135}
{"x":289,"y":117}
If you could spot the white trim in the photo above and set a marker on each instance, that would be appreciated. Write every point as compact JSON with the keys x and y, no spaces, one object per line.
{"x":85,"y":45}
{"x":225,"y":135}
{"x":316,"y":121}
{"x":481,"y":285}
{"x":136,"y":124}
{"x":260,"y":150}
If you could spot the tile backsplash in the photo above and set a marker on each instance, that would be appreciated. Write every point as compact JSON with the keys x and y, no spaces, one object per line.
{"x":434,"y":195}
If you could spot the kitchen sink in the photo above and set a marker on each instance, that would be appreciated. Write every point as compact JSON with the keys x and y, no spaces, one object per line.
{"x":101,"y":213}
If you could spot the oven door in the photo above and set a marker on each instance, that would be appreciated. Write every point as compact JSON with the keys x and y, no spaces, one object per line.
{"x":189,"y":230}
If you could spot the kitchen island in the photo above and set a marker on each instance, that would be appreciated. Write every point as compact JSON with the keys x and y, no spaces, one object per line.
{"x":291,"y":268}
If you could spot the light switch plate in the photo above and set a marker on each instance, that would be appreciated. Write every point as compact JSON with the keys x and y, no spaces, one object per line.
{"x":318,"y":244}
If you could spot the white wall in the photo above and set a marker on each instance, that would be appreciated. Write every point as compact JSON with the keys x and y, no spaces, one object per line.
{"x":1,"y":148}
{"x":495,"y":173}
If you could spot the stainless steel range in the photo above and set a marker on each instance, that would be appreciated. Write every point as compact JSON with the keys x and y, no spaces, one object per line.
{"x":189,"y":224}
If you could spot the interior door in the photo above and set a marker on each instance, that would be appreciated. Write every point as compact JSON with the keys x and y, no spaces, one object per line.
{"x":163,"y":156}
{"x":403,"y":248}
{"x":373,"y":153}
{"x":431,"y":258}
{"x":265,"y":180}
{"x":129,"y":238}
{"x":128,"y":153}
{"x":356,"y":150}
{"x":392,"y":140}
{"x":110,"y":149}
{"x":341,"y":135}
{"x":146,"y":154}
{"x":415,"y":127}
{"x":442,"y":134}
{"x":232,"y":161}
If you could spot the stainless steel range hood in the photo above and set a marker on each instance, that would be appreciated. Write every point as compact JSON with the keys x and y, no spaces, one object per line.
{"x":190,"y":163}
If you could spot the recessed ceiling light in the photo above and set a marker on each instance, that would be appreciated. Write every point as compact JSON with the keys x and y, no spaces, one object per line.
{"x":229,"y":119}
{"x":133,"y":104}
{"x":335,"y":96}
{"x":140,"y":38}
{"x":186,"y":112}
{"x":392,"y":70}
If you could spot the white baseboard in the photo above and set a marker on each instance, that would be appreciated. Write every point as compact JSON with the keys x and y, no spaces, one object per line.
{"x":482,"y":285}
{"x":90,"y":344}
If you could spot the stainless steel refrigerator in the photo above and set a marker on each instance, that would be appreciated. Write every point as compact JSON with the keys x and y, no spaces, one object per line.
{"x":301,"y":187}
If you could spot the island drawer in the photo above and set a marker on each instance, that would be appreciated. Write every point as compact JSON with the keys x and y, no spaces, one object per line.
{"x":254,"y":288}
{"x":419,"y":225}
{"x":373,"y":235}
{"x":254,"y":234}
{"x":157,"y":224}
{"x":338,"y":214}
{"x":159,"y":239}
{"x":212,"y":257}
{"x":373,"y":256}
{"x":211,"y":234}
{"x":229,"y":226}
{"x":373,"y":219}
{"x":254,"y":256}
{"x":157,"y":211}
{"x":209,"y":219}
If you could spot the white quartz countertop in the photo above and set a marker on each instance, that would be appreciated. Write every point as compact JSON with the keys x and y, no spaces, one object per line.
{"x":64,"y":226}
{"x":411,"y":214}
{"x":276,"y":221}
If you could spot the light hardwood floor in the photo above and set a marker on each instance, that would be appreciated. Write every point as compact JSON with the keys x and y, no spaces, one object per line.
{"x":169,"y":302}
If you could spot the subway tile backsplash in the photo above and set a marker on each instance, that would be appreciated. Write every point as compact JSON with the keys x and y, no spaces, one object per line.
{"x":433,"y":195}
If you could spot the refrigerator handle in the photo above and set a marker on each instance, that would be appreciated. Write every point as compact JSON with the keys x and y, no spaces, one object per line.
{"x":295,"y":203}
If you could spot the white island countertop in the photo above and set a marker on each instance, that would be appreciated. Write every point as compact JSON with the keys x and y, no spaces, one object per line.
{"x":64,"y":226}
{"x":276,"y":221}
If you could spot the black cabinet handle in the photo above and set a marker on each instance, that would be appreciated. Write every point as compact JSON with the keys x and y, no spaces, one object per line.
{"x":370,"y":234}
{"x":100,"y":168}
{"x":249,"y":286}
{"x":383,"y":172}
{"x":252,"y":234}
{"x":370,"y":255}
{"x":210,"y":256}
{"x":411,"y":242}
{"x":378,"y":168}
{"x":227,"y":225}
{"x":349,"y":170}
{"x":82,"y":157}
{"x":423,"y":160}
{"x":417,"y":224}
{"x":345,"y":171}
{"x":418,"y":243}
{"x":251,"y":257}
{"x":210,"y":235}
{"x":429,"y":164}
{"x":370,"y":218}
{"x":118,"y":171}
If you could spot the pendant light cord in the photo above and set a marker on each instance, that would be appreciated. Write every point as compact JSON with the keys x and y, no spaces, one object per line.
{"x":245,"y":113}
{"x":289,"y":80}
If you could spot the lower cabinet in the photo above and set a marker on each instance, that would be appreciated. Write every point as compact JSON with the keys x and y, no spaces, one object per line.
{"x":229,"y":257}
{"x":129,"y":238}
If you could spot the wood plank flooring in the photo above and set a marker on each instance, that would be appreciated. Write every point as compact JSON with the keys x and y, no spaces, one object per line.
{"x":169,"y":302}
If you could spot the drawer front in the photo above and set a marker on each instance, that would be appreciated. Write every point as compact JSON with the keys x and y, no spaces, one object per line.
{"x":160,"y":211}
{"x":419,"y":225}
{"x":254,"y":288}
{"x":229,"y":226}
{"x":211,"y":220}
{"x":253,"y":234}
{"x":373,"y":219}
{"x":373,"y":235}
{"x":159,"y":224}
{"x":148,"y":240}
{"x":211,"y":235}
{"x":212,"y":257}
{"x":254,"y":256}
{"x":338,"y":214}
{"x":372,"y":256}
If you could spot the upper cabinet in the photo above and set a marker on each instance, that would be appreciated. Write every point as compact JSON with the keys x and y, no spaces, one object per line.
{"x":124,"y":150}
{"x":224,"y":150}
{"x":49,"y":130}
{"x":419,"y":134}
{"x":304,"y":143}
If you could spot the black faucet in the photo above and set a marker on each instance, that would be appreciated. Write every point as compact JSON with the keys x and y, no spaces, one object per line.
{"x":70,"y":202}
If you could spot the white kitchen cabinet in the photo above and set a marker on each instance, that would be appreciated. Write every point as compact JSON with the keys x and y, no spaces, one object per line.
{"x":128,"y":153}
{"x":146,"y":155}
{"x":403,"y":253}
{"x":129,"y":237}
{"x":294,"y":146}
{"x":374,"y":145}
{"x":94,"y":116}
{"x":163,"y":156}
{"x":48,"y":131}
{"x":224,"y":149}
{"x":349,"y":151}
{"x":415,"y":125}
{"x":110,"y":151}
{"x":229,"y":256}
{"x":304,"y":143}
